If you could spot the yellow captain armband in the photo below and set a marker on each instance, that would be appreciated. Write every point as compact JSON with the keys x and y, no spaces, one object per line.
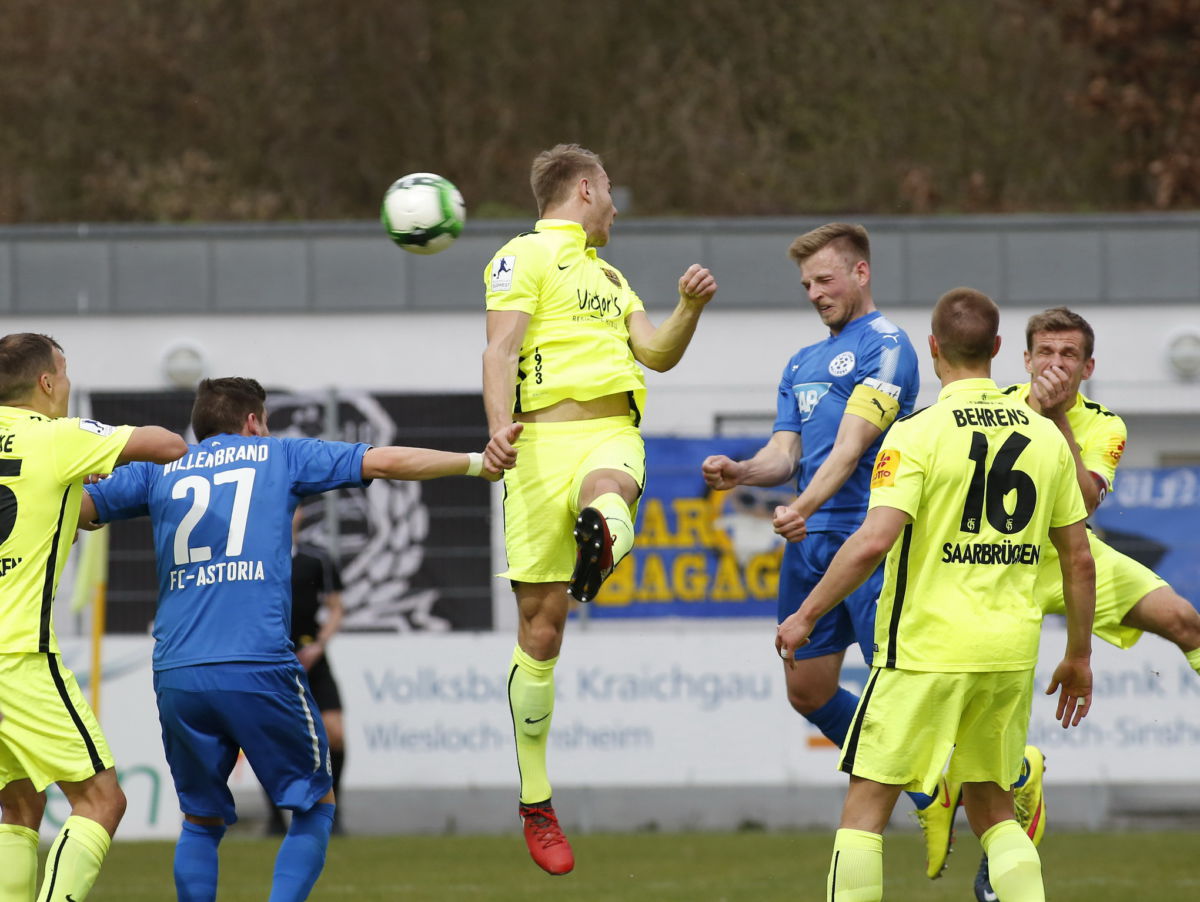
{"x":874,"y":402}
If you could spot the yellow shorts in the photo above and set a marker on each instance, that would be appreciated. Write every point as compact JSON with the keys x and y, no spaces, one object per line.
{"x":1121,"y":582}
{"x":541,"y":494}
{"x":49,"y":733}
{"x":909,"y":722}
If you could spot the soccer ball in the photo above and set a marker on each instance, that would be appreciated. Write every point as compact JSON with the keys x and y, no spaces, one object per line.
{"x":423,"y":213}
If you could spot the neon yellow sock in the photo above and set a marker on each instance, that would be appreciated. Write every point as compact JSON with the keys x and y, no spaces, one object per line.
{"x":74,"y":860}
{"x":856,"y":872}
{"x":1193,"y":658}
{"x":620,"y":523}
{"x":18,"y":862}
{"x":1013,"y":863}
{"x":531,"y":700}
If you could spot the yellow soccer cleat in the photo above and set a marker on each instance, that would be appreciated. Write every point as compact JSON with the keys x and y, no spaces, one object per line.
{"x":937,"y":823}
{"x":1030,"y":800}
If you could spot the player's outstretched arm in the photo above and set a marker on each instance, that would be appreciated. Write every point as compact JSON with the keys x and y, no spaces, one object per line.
{"x":855,"y":561}
{"x":398,"y":462}
{"x":1073,"y":677}
{"x":773,"y":464}
{"x":661,"y":348}
{"x":154,"y":444}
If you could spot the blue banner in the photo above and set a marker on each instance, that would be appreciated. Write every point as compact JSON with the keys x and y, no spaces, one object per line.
{"x":698,"y":553}
{"x":1154,"y":517}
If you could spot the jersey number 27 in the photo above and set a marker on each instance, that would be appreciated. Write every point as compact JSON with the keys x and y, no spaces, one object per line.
{"x":201,"y":491}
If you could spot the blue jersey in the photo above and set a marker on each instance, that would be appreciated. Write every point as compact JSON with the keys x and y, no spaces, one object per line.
{"x":222,"y":519}
{"x":817,"y":383}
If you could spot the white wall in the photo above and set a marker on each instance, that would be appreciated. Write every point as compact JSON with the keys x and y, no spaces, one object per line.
{"x":732,"y":367}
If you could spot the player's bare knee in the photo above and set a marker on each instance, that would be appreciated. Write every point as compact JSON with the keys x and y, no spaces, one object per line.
{"x":807,"y":698}
{"x":110,"y":802}
{"x":23,"y":808}
{"x":117,"y":806}
{"x":1166,"y":613}
{"x":541,"y":639}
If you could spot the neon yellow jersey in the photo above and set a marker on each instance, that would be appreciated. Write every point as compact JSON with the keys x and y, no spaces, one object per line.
{"x":42,"y":465}
{"x":983,"y":478}
{"x":577,"y":342}
{"x":1099,"y":433}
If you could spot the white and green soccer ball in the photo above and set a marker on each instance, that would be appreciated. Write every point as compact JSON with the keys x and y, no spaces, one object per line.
{"x":423,"y":213}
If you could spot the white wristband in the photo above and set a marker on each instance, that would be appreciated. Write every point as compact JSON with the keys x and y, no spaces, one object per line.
{"x":475,"y":464}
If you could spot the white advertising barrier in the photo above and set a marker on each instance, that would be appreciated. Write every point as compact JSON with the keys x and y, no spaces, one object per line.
{"x":692,"y":706}
{"x":701,"y":706}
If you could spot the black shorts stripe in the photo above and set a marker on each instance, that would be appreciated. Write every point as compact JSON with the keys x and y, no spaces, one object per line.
{"x":833,"y":882}
{"x":61,"y":685}
{"x":898,"y":599}
{"x":48,"y":583}
{"x":847,"y":765}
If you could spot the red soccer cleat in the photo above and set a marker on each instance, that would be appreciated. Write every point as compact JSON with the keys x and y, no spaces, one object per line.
{"x":547,"y":845}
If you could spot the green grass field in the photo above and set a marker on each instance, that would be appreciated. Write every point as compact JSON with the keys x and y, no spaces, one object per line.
{"x":660,"y":867}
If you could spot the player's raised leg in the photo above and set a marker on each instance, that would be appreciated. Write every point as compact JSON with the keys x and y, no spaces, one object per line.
{"x":607,"y":498}
{"x":1166,"y":613}
{"x":542,"y":610}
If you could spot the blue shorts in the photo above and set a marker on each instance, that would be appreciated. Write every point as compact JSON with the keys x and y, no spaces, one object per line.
{"x":208,"y":712}
{"x":804,"y":563}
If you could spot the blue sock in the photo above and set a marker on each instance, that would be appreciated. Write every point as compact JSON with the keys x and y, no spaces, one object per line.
{"x":196,"y":862}
{"x":1024,"y":778}
{"x":920,"y":799}
{"x":302,"y":855}
{"x":833,"y":718}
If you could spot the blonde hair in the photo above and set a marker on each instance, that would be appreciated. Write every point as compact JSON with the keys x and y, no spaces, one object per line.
{"x":555,"y":172}
{"x":852,"y":240}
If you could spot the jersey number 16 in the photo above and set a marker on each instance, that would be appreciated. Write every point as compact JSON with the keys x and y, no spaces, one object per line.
{"x":987,"y":491}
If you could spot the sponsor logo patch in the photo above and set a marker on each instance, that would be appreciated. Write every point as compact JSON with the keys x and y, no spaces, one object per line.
{"x":94,"y":426}
{"x":886,"y":464}
{"x":502,"y":273}
{"x":612,"y":276}
{"x":808,"y":396}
